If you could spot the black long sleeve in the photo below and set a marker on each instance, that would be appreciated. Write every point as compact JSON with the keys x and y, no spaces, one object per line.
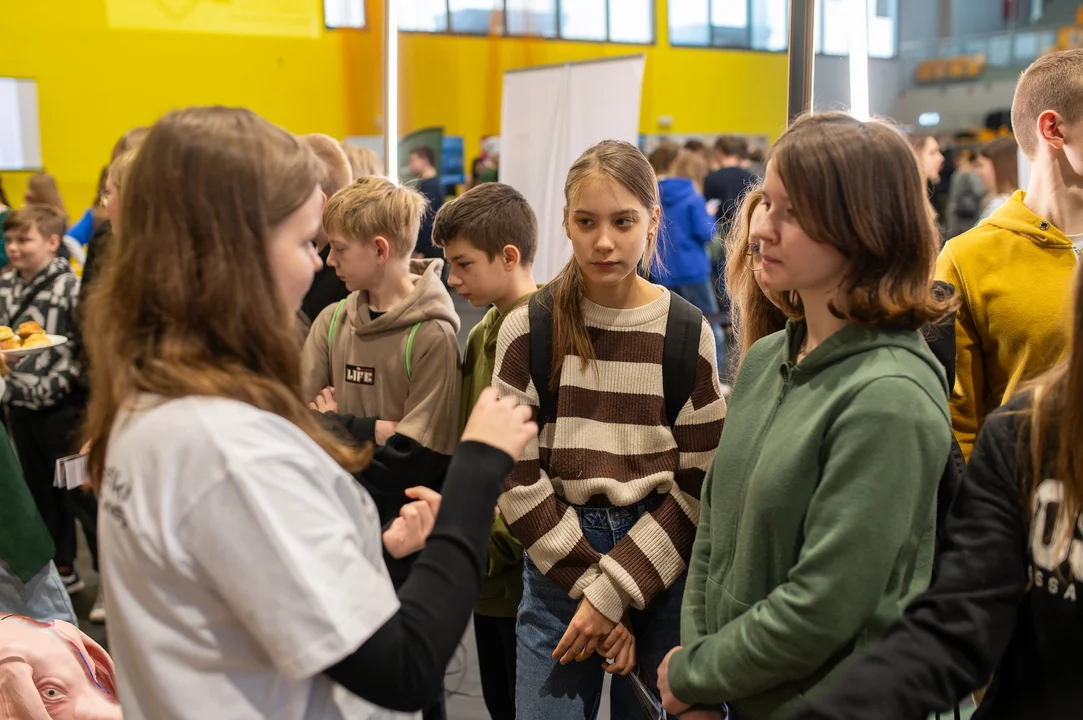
{"x":401,"y":667}
{"x":326,"y":289}
{"x":951,"y":638}
{"x":362,"y":429}
{"x":401,"y":463}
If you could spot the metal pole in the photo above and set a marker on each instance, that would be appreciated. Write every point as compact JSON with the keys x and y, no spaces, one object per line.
{"x":391,"y":89}
{"x":799,"y":91}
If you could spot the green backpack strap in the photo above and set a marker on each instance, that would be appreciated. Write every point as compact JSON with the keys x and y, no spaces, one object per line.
{"x":334,"y":323}
{"x":409,"y":339}
{"x":410,"y":351}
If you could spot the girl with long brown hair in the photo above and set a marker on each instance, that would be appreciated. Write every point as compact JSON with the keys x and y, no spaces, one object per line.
{"x":754,"y":314}
{"x":819,"y":508}
{"x":605,"y":500}
{"x":242,"y":564}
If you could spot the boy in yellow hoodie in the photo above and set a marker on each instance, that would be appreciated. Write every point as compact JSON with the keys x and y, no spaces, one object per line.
{"x":490,"y":236}
{"x":1012,"y":272}
{"x":387,"y":357}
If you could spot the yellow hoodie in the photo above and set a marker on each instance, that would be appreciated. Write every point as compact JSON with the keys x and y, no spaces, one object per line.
{"x":1012,"y":274}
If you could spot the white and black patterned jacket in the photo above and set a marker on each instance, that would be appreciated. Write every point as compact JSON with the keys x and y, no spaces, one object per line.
{"x":44,"y":379}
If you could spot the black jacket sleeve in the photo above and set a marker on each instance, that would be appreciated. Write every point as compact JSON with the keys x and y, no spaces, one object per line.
{"x":94,"y":252}
{"x":403,"y":462}
{"x":362,"y":429}
{"x":951,"y":638}
{"x":326,"y":289}
{"x":401,"y":667}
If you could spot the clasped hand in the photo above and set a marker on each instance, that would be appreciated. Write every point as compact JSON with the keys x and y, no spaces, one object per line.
{"x":590,"y":631}
{"x":670,"y":702}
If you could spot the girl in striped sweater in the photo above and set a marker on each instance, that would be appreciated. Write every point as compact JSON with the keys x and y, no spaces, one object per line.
{"x":606,"y":500}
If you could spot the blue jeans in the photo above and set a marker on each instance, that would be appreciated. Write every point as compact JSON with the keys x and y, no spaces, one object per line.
{"x":547,"y":690}
{"x":42,"y":598}
{"x":702,"y":295}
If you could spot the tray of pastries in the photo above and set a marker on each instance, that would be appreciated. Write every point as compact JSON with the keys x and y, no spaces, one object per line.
{"x":27,"y":339}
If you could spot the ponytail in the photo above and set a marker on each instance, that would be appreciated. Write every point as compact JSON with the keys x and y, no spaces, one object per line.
{"x":570,"y":336}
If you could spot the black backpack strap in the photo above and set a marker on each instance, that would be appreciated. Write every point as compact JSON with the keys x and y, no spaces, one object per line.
{"x":941,"y":336}
{"x":941,"y":341}
{"x":680,"y":355}
{"x":541,"y":355}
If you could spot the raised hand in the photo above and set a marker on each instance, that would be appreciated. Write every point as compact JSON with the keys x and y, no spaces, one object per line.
{"x":501,"y":423}
{"x":325,"y":401}
{"x":407,"y":533}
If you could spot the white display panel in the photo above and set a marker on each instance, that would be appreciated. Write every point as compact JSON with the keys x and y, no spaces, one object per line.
{"x":549,"y":116}
{"x":20,"y":135}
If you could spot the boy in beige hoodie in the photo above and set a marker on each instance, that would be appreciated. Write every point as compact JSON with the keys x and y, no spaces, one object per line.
{"x":386,"y":359}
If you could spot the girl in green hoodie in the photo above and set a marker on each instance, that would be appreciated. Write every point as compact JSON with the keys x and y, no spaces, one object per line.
{"x":818,"y":511}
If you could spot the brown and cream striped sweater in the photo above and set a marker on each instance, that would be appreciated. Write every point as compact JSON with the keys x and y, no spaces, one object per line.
{"x":611,"y":446}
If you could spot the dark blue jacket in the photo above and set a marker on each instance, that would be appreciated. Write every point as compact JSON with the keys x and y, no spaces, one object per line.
{"x":686,"y":229}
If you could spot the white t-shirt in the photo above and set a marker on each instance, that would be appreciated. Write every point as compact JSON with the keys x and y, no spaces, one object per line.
{"x":1077,"y":243}
{"x":239,"y":561}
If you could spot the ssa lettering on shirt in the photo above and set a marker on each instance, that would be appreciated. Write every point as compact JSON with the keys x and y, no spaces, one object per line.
{"x":239,"y":562}
{"x":1057,"y":563}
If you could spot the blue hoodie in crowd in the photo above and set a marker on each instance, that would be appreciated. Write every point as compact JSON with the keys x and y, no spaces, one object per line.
{"x":686,"y":229}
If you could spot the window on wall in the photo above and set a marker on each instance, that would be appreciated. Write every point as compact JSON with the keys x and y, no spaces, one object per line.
{"x":344,"y":13}
{"x":770,"y":25}
{"x":423,"y":15}
{"x":474,"y":16}
{"x":633,"y":24}
{"x":832,"y":31}
{"x":584,"y":20}
{"x":764,"y":25}
{"x":690,"y":22}
{"x":531,"y":17}
{"x":593,"y":20}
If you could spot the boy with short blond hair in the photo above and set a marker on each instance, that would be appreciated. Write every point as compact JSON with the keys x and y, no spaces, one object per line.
{"x":45,"y":392}
{"x":1012,"y":272}
{"x":388,"y":354}
{"x":489,"y":236}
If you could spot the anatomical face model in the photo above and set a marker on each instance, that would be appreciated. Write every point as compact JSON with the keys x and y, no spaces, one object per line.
{"x":52,"y":671}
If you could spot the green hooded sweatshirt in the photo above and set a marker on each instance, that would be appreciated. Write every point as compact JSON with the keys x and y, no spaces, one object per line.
{"x":817,"y":517}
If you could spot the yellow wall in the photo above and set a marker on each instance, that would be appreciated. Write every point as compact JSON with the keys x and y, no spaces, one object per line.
{"x":456,"y":81}
{"x":95,"y":82}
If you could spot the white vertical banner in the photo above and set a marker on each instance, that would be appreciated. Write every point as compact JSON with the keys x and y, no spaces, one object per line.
{"x":549,"y":116}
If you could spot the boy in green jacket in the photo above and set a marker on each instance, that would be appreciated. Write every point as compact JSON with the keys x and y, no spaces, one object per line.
{"x":490,"y":235}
